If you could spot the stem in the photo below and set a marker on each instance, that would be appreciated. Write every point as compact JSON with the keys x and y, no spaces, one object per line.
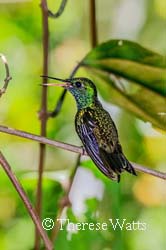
{"x":43,"y":115}
{"x":73,"y":148}
{"x":60,"y":10}
{"x":7,"y":77}
{"x":59,"y":104}
{"x":26,"y":201}
{"x":65,"y":202}
{"x":93,"y":26}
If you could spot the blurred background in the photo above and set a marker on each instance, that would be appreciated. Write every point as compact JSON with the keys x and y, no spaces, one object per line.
{"x":94,"y":197}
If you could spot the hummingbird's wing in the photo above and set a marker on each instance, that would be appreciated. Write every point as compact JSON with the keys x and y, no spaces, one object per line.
{"x":106,"y":154}
{"x":85,"y":129}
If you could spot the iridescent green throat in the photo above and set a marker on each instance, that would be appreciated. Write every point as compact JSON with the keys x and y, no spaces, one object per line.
{"x":84,"y":99}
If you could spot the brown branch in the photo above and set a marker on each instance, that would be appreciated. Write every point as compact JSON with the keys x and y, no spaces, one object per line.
{"x":26,"y":201}
{"x":60,"y":10}
{"x":150,"y":171}
{"x":42,"y":140}
{"x":72,"y":148}
{"x":7,"y":77}
{"x":42,"y":115}
{"x":93,"y":26}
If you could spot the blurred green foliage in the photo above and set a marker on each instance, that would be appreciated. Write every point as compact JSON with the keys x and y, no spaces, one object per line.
{"x":139,"y":198}
{"x":132,"y":64}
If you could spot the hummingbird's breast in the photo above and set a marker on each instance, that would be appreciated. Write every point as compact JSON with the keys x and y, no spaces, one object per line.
{"x":100,"y":124}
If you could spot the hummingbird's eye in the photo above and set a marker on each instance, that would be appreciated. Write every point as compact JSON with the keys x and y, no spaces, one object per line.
{"x":78,"y":84}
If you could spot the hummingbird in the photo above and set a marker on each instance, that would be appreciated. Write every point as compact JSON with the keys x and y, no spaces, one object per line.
{"x":95,"y":128}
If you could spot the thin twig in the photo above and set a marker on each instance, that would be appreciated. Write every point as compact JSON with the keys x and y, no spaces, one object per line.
{"x":58,"y":106}
{"x":150,"y":171}
{"x":7,"y":77}
{"x":74,"y":71}
{"x":93,"y":26}
{"x":64,"y":202}
{"x":59,"y":103}
{"x":26,"y":201}
{"x":42,"y":140}
{"x":43,"y":115}
{"x":60,"y":10}
{"x":72,"y":148}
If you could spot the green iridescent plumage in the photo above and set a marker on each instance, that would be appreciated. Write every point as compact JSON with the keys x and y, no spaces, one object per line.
{"x":96,"y":129}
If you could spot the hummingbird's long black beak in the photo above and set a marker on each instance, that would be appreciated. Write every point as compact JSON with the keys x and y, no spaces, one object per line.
{"x":66,"y":83}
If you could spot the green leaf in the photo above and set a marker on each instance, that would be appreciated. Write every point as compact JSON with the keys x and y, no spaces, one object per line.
{"x":119,"y":62}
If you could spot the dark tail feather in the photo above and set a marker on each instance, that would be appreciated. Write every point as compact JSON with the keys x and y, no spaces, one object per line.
{"x":127,"y":165}
{"x":119,"y":163}
{"x":116,"y":163}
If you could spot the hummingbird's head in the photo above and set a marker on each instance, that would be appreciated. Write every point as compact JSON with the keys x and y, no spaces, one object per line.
{"x":83,"y":89}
